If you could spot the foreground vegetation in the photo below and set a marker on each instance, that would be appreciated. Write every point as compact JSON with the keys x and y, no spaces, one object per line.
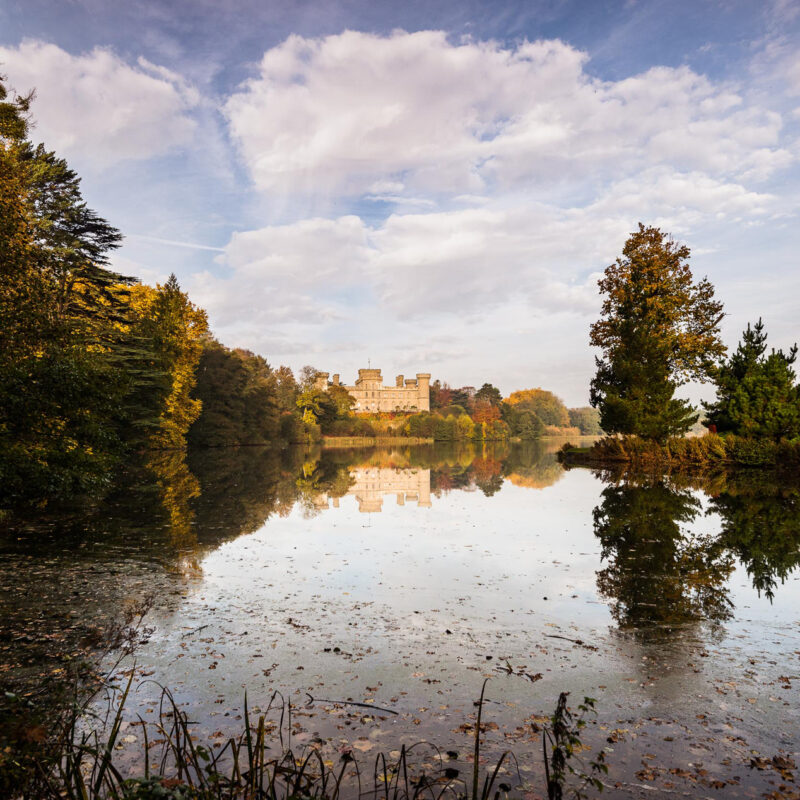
{"x":81,"y":760}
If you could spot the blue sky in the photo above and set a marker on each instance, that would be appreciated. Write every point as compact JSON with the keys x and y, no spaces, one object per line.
{"x":435,"y":187}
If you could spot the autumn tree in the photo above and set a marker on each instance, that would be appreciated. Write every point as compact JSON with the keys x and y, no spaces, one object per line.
{"x":484,"y":411}
{"x":548,"y":407}
{"x":757,"y":395}
{"x":441,"y":395}
{"x":59,"y":385}
{"x":658,"y":330}
{"x":168,"y":331}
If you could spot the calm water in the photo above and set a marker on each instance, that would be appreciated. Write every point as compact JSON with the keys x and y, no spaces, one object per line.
{"x":401,"y":578}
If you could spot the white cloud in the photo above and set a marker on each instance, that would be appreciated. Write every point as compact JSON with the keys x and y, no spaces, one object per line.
{"x":346,"y":114}
{"x":463,"y":262}
{"x":684,"y":198}
{"x":99,"y":108}
{"x":285,"y":273}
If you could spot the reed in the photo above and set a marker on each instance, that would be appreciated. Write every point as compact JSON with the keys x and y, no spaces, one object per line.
{"x":176,"y":767}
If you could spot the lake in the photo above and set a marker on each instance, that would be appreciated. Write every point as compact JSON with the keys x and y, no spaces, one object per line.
{"x":376,"y":590}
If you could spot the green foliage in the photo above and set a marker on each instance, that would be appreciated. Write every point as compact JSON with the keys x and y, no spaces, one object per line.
{"x":522,"y":421}
{"x":757,"y":394}
{"x":330,"y":409}
{"x":350,"y":426}
{"x":453,"y":428}
{"x":239,"y":397}
{"x":59,"y":386}
{"x":706,"y":452}
{"x":56,"y":425}
{"x":563,"y":736}
{"x":167,"y":331}
{"x":489,"y":394}
{"x":586,"y":419}
{"x":453,"y":410}
{"x":658,"y":329}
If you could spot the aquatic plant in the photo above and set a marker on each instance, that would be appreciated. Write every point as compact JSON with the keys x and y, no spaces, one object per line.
{"x":176,"y":767}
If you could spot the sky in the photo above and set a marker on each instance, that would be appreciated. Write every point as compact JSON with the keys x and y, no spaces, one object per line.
{"x":427,"y":187}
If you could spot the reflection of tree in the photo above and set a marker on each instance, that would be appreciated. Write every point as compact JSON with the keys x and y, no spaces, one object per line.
{"x":328,"y":477}
{"x":532,"y":466}
{"x":763,"y":529}
{"x":176,"y":487}
{"x":657,"y":573}
{"x":488,"y":474}
{"x":241,"y":488}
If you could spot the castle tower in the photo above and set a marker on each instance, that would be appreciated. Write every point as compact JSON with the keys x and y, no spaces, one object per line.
{"x":424,"y":391}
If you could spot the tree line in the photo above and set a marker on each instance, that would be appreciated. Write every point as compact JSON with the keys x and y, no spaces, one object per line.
{"x":94,"y":365}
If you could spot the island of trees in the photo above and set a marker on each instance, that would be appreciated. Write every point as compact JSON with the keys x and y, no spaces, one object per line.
{"x":658,"y":330}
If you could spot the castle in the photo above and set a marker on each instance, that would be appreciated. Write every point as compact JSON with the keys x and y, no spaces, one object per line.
{"x":371,"y":396}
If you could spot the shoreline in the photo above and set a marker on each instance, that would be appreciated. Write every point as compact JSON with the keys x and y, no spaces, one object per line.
{"x":697,"y":453}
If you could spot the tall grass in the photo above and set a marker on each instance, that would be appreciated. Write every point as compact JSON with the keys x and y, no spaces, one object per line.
{"x":174,"y":766}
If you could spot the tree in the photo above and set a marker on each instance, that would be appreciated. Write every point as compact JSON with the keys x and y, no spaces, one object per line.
{"x":658,"y":330}
{"x":756,"y":394}
{"x":586,"y":419}
{"x":307,"y":377}
{"x":441,"y":395}
{"x":286,"y":389}
{"x":489,"y":394}
{"x":522,"y":421}
{"x":342,"y":400}
{"x":238,"y":392}
{"x":169,"y":330}
{"x":549,"y":408}
{"x":60,"y":382}
{"x":484,"y":411}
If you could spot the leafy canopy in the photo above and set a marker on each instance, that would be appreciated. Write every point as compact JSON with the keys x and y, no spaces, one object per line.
{"x":658,"y":329}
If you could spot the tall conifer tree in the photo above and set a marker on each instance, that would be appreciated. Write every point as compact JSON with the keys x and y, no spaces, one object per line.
{"x":658,"y":330}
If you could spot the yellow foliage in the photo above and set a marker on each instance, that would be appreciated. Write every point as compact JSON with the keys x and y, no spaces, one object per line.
{"x":180,"y":328}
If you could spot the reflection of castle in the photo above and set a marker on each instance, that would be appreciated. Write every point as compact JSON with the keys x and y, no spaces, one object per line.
{"x":409,"y":394}
{"x":372,"y":483}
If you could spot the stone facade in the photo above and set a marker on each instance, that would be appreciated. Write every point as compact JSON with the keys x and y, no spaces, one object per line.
{"x":371,"y":396}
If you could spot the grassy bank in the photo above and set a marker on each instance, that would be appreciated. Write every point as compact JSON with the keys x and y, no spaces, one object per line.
{"x":372,"y":441}
{"x":704,"y":452}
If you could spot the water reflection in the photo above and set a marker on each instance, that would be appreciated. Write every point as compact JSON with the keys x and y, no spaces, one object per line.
{"x":369,"y":485}
{"x":658,"y":572}
{"x":762,"y":528}
{"x":668,"y":545}
{"x":662,"y":571}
